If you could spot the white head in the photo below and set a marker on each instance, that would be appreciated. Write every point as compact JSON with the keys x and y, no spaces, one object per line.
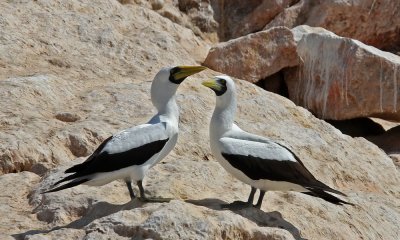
{"x":166,"y":82}
{"x":225,"y":109}
{"x":224,"y":88}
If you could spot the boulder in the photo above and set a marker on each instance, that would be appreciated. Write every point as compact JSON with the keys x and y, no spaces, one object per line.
{"x":199,"y":186}
{"x":111,"y":52}
{"x":255,"y":56}
{"x":238,"y":18}
{"x":372,"y":22}
{"x":341,"y":78}
{"x":59,"y":105}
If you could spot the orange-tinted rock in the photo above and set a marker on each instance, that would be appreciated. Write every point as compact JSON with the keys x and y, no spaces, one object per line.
{"x":341,"y":78}
{"x":255,"y":56}
{"x":238,"y":18}
{"x":372,"y":22}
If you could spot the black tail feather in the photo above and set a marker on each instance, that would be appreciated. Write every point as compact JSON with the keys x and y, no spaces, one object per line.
{"x":67,"y":178}
{"x":76,"y":168}
{"x":327,"y":197}
{"x":68,"y":185}
{"x":329,"y":189}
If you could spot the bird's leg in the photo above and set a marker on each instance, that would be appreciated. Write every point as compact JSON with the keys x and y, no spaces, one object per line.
{"x":260,"y":199}
{"x":236,"y":205}
{"x":141,"y":190}
{"x":144,"y":199}
{"x":251,"y":196}
{"x":131,"y":193}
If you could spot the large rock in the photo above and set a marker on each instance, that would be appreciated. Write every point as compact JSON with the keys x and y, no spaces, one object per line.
{"x":372,"y":22}
{"x":238,"y":18}
{"x":59,"y":64}
{"x":76,"y":71}
{"x":255,"y":56}
{"x":354,"y":166}
{"x":197,"y":15}
{"x":341,"y":78}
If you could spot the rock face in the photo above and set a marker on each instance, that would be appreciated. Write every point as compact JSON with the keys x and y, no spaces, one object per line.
{"x":74,"y":72}
{"x":341,"y":78}
{"x":197,"y":15}
{"x":372,"y":22}
{"x":125,"y":42}
{"x":238,"y":18}
{"x":255,"y":56}
{"x":354,"y":166}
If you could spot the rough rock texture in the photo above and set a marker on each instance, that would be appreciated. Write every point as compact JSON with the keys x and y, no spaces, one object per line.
{"x":95,"y":62}
{"x":396,"y":160}
{"x":373,"y":22}
{"x":255,"y":56}
{"x":354,"y":166}
{"x":238,"y":18}
{"x":197,"y":15}
{"x":342,"y":78}
{"x":92,"y":53}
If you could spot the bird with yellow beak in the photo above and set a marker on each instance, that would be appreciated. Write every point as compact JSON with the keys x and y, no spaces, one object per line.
{"x":129,"y":154}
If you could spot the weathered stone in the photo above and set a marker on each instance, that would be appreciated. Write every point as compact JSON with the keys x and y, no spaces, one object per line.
{"x":292,"y":16}
{"x":15,"y":210}
{"x":157,"y":4}
{"x":197,"y":15}
{"x":114,"y":51}
{"x":341,"y":78}
{"x":396,"y":160}
{"x":100,"y":53}
{"x":238,"y":18}
{"x":354,"y":166}
{"x":255,"y":56}
{"x":67,"y":117}
{"x":372,"y":22}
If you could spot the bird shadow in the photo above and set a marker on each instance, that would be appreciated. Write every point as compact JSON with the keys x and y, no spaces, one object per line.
{"x":261,"y":218}
{"x":95,"y":211}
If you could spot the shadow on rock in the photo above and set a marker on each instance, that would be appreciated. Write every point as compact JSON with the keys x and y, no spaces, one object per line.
{"x":261,"y":218}
{"x":95,"y":211}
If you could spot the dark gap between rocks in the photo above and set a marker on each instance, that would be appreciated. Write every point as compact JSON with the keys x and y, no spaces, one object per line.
{"x":275,"y":83}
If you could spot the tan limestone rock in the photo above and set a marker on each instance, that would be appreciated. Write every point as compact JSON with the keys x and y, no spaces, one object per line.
{"x":255,"y":56}
{"x":107,"y":55}
{"x":238,"y":18}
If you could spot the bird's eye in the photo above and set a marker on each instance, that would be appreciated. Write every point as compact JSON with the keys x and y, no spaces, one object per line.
{"x":172,"y":72}
{"x":222,"y":81}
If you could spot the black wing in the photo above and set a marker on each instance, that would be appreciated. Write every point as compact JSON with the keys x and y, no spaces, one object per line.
{"x":81,"y":166}
{"x":105,"y":162}
{"x":258,"y":168}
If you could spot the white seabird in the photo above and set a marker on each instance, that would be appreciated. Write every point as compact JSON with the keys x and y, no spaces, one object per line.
{"x":255,"y":160}
{"x":130,"y":153}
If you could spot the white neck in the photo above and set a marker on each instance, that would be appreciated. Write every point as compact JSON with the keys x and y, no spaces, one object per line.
{"x":167,"y":112}
{"x":224,"y":114}
{"x":170,"y":109}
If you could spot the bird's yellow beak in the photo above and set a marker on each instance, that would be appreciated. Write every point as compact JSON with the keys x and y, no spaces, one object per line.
{"x":186,"y":71}
{"x":213,"y":84}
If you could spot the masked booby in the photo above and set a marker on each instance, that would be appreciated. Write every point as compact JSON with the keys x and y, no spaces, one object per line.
{"x":257,"y":161}
{"x":130,"y":153}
